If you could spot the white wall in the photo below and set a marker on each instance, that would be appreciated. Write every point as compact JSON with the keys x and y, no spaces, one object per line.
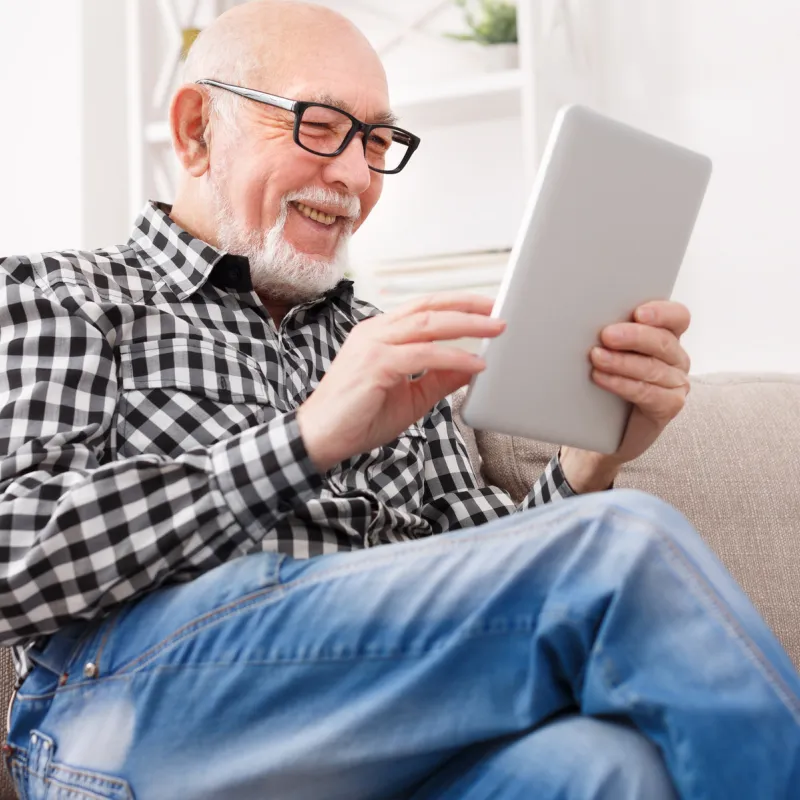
{"x":720,"y":76}
{"x":62,"y":145}
{"x":40,"y":152}
{"x":738,"y":100}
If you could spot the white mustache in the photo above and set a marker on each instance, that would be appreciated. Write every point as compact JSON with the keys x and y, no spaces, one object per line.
{"x":347,"y":205}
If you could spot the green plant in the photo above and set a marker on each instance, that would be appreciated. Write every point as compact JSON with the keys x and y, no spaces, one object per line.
{"x":492,"y":21}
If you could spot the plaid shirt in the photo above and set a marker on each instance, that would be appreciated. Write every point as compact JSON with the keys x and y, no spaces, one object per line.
{"x":148,"y":432}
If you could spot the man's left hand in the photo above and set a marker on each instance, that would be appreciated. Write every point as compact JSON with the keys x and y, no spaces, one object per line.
{"x":642,"y":362}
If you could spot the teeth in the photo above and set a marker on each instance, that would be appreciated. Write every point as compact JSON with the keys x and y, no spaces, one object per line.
{"x":319,"y":216}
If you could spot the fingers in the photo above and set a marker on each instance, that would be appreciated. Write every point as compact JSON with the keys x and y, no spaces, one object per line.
{"x":638,"y":367}
{"x":657,"y":403}
{"x":441,"y":383}
{"x":659,"y":343}
{"x":667,"y":314}
{"x":412,"y":359}
{"x":431,"y":326}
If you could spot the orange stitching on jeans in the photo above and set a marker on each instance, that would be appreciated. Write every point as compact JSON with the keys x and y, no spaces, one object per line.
{"x":104,"y":640}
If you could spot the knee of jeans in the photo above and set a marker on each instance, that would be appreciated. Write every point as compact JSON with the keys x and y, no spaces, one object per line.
{"x":580,"y":756}
{"x":634,"y":500}
{"x":646,"y":507}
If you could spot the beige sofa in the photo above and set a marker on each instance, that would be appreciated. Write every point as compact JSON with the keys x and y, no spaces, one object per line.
{"x":730,"y":463}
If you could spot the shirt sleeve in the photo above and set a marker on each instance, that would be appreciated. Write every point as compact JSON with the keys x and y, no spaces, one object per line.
{"x":453,"y":498}
{"x":78,"y":533}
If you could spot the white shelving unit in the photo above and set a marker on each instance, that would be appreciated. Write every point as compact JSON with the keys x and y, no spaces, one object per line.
{"x":154,"y":32}
{"x":496,"y":94}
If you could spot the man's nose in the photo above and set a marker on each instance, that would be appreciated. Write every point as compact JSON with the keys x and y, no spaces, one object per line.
{"x":350,"y":168}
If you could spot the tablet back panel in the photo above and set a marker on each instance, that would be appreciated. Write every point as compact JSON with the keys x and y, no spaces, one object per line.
{"x":605,"y":229}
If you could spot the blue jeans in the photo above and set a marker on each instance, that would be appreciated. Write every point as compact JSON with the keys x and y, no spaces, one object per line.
{"x":593,"y":648}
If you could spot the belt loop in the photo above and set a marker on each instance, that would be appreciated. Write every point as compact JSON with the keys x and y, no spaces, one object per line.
{"x":40,"y":754}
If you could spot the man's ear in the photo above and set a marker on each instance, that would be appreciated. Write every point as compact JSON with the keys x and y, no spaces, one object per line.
{"x":188,"y":116}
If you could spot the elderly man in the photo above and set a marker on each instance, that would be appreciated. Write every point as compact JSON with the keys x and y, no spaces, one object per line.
{"x":204,"y":438}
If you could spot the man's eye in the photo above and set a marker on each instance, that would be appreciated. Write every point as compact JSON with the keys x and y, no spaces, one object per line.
{"x":379,"y":143}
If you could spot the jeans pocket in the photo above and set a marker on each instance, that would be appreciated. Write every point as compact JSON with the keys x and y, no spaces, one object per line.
{"x":38,"y":776}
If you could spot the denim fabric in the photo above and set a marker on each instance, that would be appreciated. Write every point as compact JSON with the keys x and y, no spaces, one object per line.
{"x":434,"y":668}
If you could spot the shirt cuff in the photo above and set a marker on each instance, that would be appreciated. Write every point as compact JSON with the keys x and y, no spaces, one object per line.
{"x":264,"y":472}
{"x":552,"y":485}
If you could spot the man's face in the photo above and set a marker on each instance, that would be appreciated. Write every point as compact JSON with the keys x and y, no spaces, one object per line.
{"x":290,"y":211}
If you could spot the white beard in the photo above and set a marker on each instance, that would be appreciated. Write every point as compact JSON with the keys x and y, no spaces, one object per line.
{"x":279,"y":271}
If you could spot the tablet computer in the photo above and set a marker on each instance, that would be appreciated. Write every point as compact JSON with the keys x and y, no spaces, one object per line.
{"x":605,"y":230}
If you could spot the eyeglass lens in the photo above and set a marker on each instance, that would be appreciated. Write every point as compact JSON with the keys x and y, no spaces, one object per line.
{"x":322,"y":130}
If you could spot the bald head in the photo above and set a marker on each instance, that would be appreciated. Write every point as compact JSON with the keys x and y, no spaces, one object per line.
{"x":270,"y":44}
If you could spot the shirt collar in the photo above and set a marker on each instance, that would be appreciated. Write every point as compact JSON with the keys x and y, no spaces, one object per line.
{"x":187,"y":262}
{"x":181,"y":259}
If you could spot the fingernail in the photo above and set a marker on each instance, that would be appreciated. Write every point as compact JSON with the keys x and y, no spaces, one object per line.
{"x":600,"y":354}
{"x":645,"y":315}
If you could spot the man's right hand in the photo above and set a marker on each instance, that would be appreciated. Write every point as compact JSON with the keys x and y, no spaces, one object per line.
{"x":367,"y":397}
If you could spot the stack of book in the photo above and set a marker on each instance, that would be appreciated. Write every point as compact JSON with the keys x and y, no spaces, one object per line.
{"x":396,"y":282}
{"x":393,"y":283}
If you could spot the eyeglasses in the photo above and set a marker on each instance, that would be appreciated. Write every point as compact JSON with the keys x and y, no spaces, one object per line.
{"x":327,"y":131}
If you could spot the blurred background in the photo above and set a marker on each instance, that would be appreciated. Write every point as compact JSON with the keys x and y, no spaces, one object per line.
{"x":85,"y":87}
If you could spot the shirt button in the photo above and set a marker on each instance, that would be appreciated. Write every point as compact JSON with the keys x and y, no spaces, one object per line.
{"x":234,"y":274}
{"x":90,"y":670}
{"x":223,"y":384}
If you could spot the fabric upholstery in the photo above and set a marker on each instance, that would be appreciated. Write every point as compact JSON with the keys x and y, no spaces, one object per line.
{"x":731,"y":463}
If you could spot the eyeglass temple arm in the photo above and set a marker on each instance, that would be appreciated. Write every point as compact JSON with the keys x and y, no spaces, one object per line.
{"x":252,"y":94}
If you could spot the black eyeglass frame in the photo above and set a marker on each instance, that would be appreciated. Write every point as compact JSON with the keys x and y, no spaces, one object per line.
{"x":298,"y":107}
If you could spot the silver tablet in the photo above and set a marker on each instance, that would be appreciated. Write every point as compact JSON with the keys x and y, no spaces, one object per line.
{"x":605,"y":229}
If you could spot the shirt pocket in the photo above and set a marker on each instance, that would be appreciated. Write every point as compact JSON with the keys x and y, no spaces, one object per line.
{"x":393,"y":474}
{"x":177,"y":394}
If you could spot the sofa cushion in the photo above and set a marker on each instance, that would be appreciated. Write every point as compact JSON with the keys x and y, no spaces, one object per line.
{"x":731,"y":463}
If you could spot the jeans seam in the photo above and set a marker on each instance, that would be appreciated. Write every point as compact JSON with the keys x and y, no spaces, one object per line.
{"x":18,"y":767}
{"x":105,"y":637}
{"x":385,"y":655}
{"x":118,"y":783}
{"x":474,"y":633}
{"x":61,"y":774}
{"x":199,"y":623}
{"x":246,"y":603}
{"x":705,"y":596}
{"x":79,"y":792}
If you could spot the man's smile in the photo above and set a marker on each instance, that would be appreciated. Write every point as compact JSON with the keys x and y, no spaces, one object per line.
{"x":313,"y":230}
{"x":318,"y":215}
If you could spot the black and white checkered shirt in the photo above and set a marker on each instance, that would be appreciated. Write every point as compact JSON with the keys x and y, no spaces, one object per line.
{"x":148,"y":431}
